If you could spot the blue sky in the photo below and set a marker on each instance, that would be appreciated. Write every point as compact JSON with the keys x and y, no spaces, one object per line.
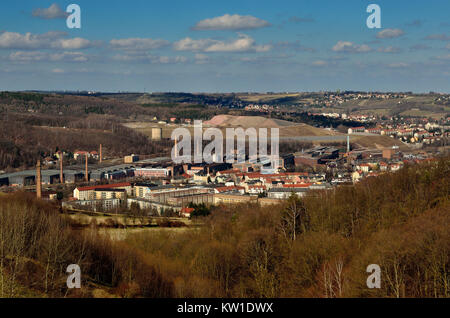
{"x":225,"y":46}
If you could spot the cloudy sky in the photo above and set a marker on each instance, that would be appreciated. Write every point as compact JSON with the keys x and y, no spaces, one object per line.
{"x":224,"y":46}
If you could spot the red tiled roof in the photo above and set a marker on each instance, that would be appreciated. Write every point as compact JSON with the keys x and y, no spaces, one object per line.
{"x":187,"y":210}
{"x":230,"y":188}
{"x":105,"y":186}
{"x":297,"y":185}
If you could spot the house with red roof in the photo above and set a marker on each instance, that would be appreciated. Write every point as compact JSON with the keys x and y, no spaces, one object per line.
{"x":88,"y":193}
{"x":186,"y":212}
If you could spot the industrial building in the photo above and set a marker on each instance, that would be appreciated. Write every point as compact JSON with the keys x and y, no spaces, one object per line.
{"x":90,"y":193}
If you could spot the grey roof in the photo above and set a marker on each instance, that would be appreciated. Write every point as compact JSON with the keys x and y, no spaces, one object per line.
{"x":289,"y":190}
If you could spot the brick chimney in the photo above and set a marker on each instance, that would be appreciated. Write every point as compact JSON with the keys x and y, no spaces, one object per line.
{"x":176,"y":148}
{"x":86,"y":172}
{"x":38,"y":180}
{"x":61,"y":173}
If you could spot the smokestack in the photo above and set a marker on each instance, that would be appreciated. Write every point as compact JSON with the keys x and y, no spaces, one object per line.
{"x":86,"y":173}
{"x":176,"y":149}
{"x":61,"y":174}
{"x":101,"y":154}
{"x":38,"y":180}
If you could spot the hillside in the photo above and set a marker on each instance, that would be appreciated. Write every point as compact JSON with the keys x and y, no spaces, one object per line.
{"x":287,"y":128}
{"x":22,"y":142}
{"x":247,"y":121}
{"x":398,"y":221}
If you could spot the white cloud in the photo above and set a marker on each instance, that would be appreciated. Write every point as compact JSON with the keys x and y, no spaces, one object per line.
{"x":201,"y":58}
{"x":148,"y":58}
{"x":33,"y":56}
{"x":55,"y":40}
{"x":390,"y":33}
{"x":13,"y":40}
{"x":138,"y":43}
{"x":350,"y":47}
{"x":36,"y":56}
{"x":389,"y":49}
{"x":295,"y":46}
{"x":52,"y":12}
{"x":69,"y":57}
{"x":188,"y":44}
{"x":243,"y":44}
{"x":231,"y":22}
{"x":73,"y":44}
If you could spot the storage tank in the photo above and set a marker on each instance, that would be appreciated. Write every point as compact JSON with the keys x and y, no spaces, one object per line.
{"x":156,"y":133}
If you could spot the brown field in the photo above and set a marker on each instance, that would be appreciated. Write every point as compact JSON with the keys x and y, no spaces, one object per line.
{"x":286,"y":128}
{"x":378,"y":142}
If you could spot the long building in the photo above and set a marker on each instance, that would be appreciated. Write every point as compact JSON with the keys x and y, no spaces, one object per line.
{"x":92,"y":192}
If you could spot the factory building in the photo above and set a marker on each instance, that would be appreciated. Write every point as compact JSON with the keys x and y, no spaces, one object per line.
{"x":152,"y":172}
{"x":90,"y":193}
{"x":163,"y":195}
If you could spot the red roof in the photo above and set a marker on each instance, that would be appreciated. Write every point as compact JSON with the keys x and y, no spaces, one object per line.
{"x":105,"y":186}
{"x":230,"y":188}
{"x":185,"y":175}
{"x":187,"y":210}
{"x":297,"y":185}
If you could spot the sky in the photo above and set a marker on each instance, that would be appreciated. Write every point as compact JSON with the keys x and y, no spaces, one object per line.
{"x":225,"y":46}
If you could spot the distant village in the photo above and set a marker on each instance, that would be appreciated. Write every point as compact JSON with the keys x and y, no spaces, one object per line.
{"x":157,"y":186}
